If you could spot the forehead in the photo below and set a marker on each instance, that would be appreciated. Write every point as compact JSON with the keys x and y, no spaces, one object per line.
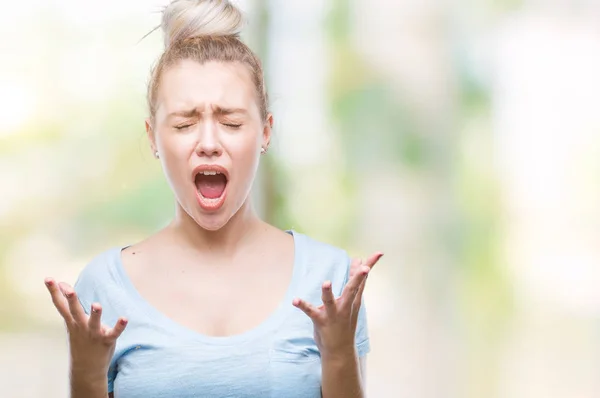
{"x":189,"y":84}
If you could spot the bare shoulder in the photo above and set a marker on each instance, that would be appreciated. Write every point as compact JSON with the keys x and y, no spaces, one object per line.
{"x":146,"y":246}
{"x":284,"y":238}
{"x":277,"y":242}
{"x":142,"y":254}
{"x":135,"y":251}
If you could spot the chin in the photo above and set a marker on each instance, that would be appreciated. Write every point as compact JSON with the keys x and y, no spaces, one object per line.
{"x":215,"y":217}
{"x":213,"y":201}
{"x":212,"y":222}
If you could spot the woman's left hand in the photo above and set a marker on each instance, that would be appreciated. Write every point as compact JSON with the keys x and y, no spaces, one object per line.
{"x":335,"y":321}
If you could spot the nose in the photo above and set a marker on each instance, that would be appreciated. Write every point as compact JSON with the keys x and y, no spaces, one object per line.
{"x":208,"y":143}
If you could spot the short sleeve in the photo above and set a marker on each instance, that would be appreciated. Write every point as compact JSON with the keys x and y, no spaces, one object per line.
{"x":112,"y":374}
{"x":363,"y":345}
{"x":82,"y":295}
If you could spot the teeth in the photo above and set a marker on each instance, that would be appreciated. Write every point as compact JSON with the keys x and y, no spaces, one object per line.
{"x":210,"y":173}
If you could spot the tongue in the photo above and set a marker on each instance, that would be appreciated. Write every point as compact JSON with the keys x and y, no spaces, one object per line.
{"x":211,"y":186}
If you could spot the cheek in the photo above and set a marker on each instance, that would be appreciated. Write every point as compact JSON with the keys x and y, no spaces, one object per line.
{"x":176,"y":144}
{"x":242,"y":146}
{"x":175,"y":154}
{"x":245,"y":161}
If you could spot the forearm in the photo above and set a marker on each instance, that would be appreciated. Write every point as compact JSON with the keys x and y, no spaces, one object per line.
{"x":87,"y":385}
{"x":341,"y":376}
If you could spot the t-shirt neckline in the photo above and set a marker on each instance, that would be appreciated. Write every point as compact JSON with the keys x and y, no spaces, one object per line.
{"x":273,"y":320}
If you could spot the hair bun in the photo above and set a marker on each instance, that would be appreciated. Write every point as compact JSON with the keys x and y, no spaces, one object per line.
{"x":186,"y":19}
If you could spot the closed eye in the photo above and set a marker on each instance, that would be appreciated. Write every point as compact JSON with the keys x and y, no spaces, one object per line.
{"x":231,"y":125}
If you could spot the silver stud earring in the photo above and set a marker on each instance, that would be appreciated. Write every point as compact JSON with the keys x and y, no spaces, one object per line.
{"x":156,"y":154}
{"x":263,"y":151}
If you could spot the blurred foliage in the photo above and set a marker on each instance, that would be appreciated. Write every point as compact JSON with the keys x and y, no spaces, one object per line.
{"x":484,"y":290}
{"x":369,"y":116}
{"x":274,"y":206}
{"x":132,"y":197}
{"x":373,"y":121}
{"x":87,"y":179}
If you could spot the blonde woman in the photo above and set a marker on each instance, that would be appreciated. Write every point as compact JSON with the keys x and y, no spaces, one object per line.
{"x":218,"y":303}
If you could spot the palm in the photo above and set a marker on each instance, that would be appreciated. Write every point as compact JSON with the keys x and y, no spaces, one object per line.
{"x":89,"y":339}
{"x":335,"y":320}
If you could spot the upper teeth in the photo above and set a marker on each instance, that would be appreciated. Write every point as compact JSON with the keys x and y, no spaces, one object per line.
{"x":209,"y":173}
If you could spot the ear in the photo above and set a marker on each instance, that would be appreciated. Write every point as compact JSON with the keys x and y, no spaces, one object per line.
{"x":150,"y":134}
{"x":268,"y":127}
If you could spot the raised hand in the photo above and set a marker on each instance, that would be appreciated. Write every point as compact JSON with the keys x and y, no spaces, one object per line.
{"x":91,"y":344}
{"x":335,"y":321}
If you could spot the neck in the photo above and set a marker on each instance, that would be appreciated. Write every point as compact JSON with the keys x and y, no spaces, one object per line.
{"x":241,"y":228}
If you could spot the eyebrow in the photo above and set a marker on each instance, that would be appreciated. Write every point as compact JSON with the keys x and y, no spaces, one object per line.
{"x":184,"y":113}
{"x":216,"y":109}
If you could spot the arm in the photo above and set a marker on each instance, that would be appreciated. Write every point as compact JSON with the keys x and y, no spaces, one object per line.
{"x":91,"y":344}
{"x":335,"y":323}
{"x":88,"y":381}
{"x":343,"y":376}
{"x":88,"y":386}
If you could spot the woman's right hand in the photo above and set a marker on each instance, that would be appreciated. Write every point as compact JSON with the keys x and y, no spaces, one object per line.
{"x":91,"y":344}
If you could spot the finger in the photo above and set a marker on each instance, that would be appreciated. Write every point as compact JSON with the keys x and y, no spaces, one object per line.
{"x":116,"y":331}
{"x":351,"y":289}
{"x":74,"y":305}
{"x":327,"y":297}
{"x":373,"y":259}
{"x":95,"y":316}
{"x":307,"y":308}
{"x":354,"y":266}
{"x":358,"y":298}
{"x":58,"y":299}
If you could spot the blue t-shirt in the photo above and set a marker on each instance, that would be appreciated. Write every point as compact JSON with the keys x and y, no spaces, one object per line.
{"x":157,"y":357}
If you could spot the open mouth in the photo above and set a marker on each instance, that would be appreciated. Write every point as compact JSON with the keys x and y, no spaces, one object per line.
{"x":211,"y":187}
{"x":211,"y":184}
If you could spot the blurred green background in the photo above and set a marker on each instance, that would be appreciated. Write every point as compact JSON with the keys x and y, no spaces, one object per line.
{"x":460,"y":138}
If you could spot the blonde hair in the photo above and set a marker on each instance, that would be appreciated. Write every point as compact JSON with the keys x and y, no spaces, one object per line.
{"x":203,"y":31}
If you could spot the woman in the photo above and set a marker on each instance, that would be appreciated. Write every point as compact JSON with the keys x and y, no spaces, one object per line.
{"x":205,"y":307}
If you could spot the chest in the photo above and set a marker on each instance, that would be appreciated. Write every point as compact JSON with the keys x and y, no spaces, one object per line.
{"x":282,"y":364}
{"x":217,"y":301}
{"x":220,"y":306}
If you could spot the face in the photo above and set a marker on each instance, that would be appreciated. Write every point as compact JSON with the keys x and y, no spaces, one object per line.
{"x":209,"y":132}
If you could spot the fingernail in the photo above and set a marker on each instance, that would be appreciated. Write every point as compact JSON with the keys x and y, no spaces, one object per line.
{"x":48,"y":283}
{"x":123,"y":321}
{"x":69,"y":294}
